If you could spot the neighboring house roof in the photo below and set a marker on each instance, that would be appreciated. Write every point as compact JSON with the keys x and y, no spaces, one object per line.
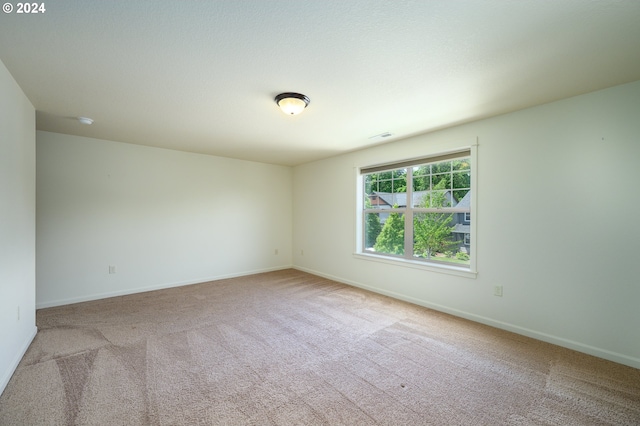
{"x":400,"y":198}
{"x":465,"y":202}
{"x":393,"y":198}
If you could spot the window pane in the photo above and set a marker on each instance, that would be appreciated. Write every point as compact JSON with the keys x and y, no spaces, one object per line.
{"x":420,"y":198}
{"x":399,"y":183}
{"x":443,"y":167}
{"x":385,"y":185}
{"x":384,"y":233}
{"x":384,"y":175}
{"x":372,"y":228}
{"x":450,"y":179}
{"x":433,"y":199}
{"x":462,"y":199}
{"x":441,"y":181}
{"x":391,"y":181}
{"x":440,"y":237}
{"x":385,"y":190}
{"x":422,"y":170}
{"x":462,"y":164}
{"x":369,"y":185}
{"x":461,"y":180}
{"x":421,"y":183}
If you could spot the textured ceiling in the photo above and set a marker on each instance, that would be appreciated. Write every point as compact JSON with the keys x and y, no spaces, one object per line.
{"x":201,"y":76}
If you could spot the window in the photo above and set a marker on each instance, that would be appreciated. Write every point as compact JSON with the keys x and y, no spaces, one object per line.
{"x":419,"y":210}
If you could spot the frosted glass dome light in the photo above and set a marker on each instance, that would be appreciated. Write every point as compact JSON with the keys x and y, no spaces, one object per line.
{"x":292,"y":103}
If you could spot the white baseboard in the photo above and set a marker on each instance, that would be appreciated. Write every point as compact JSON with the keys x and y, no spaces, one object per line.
{"x":16,"y":360}
{"x":560,"y":341}
{"x":98,"y":296}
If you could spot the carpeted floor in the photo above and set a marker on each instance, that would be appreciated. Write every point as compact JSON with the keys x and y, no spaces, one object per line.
{"x":289,"y":348}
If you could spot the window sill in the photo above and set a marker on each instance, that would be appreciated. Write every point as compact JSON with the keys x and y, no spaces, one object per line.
{"x":442,"y":269}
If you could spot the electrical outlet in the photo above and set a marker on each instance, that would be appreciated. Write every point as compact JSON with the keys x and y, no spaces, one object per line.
{"x":497,"y":290}
{"x":112,"y":269}
{"x":275,"y":251}
{"x":18,"y":313}
{"x":301,"y":252}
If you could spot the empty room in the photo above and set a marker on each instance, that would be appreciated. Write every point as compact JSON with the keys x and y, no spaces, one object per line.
{"x":319,"y":212}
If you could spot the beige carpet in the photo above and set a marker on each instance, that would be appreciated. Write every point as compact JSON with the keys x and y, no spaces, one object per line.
{"x":289,"y":348}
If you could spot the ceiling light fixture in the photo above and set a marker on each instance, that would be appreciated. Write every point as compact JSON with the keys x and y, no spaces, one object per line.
{"x":85,"y":120}
{"x":292,"y":103}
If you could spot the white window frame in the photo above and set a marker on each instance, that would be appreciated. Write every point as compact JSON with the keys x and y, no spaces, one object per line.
{"x":359,"y":253}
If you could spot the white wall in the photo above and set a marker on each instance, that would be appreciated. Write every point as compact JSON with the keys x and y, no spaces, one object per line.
{"x":17,"y":225}
{"x":557,"y":224}
{"x":161,"y":217}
